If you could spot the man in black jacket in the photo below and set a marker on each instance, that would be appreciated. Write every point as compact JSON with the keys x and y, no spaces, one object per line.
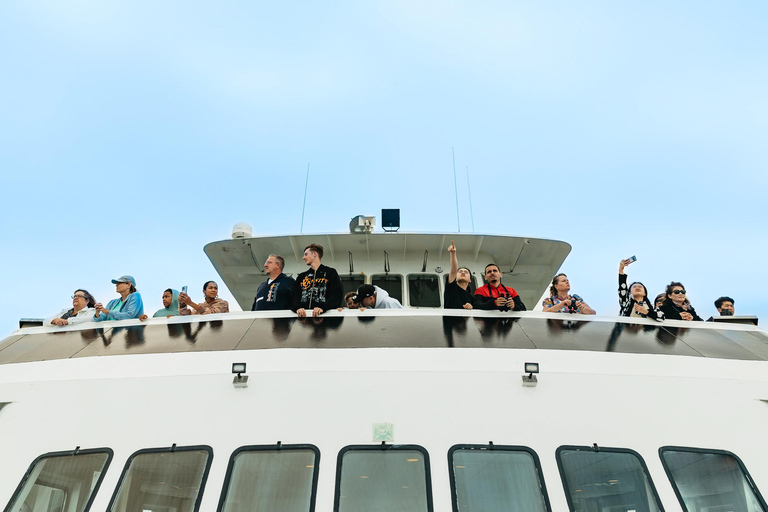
{"x":318,"y":289}
{"x":277,"y":291}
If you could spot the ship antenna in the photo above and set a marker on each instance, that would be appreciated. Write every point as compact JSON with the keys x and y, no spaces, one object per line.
{"x":304,"y":206}
{"x":469,"y":193}
{"x":456,"y":188}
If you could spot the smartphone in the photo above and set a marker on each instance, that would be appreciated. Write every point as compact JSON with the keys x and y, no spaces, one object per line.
{"x":184,"y":289}
{"x":631,"y":260}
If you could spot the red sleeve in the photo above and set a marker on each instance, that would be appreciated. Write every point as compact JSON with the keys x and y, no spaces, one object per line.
{"x":483,"y":291}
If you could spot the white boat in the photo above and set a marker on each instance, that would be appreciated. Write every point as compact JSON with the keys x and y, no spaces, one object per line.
{"x":418,"y":409}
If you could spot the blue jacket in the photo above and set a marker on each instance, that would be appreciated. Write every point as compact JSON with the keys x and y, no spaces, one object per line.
{"x":133,"y":307}
{"x":275,"y":295}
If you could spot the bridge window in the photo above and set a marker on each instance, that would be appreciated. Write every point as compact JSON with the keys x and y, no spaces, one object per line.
{"x":424,"y":290}
{"x":496,"y":479}
{"x":606,"y":479}
{"x":391,"y":477}
{"x":351,"y":282}
{"x":710,"y":480}
{"x":162,"y":480}
{"x":62,"y":481}
{"x":392,"y":283}
{"x":268,"y":478}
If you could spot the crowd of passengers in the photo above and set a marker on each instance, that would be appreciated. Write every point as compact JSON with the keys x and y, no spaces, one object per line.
{"x":319,"y":289}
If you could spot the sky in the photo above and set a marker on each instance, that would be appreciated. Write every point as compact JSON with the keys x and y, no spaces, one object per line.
{"x":133,"y":133}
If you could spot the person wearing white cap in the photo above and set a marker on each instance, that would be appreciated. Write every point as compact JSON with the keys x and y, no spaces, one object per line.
{"x":129,"y":305}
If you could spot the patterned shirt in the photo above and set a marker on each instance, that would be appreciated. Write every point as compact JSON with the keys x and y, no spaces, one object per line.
{"x":552,"y":301}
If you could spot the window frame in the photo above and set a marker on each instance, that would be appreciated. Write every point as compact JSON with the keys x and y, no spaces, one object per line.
{"x":495,"y":447}
{"x":599,"y":449}
{"x":167,"y":449}
{"x":271,"y":448}
{"x":440,"y":289}
{"x":403,"y":285}
{"x":88,"y":451}
{"x":750,"y":480}
{"x":383,"y":447}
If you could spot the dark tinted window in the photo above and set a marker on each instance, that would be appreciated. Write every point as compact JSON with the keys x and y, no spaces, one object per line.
{"x":394,"y":479}
{"x":351,"y":283}
{"x":390,"y":282}
{"x":608,"y":479}
{"x":61,"y":481}
{"x":502,"y":479}
{"x":711,"y":480}
{"x":163,"y":481}
{"x":271,"y":479}
{"x":424,"y":290}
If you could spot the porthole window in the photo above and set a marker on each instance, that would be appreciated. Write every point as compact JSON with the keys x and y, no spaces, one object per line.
{"x":710,"y":480}
{"x":496,"y":479}
{"x":163,"y":480}
{"x":388,"y":478}
{"x":62,"y":481}
{"x":271,"y":479}
{"x":606,"y":479}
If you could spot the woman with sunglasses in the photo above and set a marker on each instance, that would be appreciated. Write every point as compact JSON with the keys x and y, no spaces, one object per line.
{"x":81,"y":311}
{"x":676,"y":306}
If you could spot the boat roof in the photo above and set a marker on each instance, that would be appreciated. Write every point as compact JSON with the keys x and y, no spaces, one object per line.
{"x":353,"y":329}
{"x":528,"y":263}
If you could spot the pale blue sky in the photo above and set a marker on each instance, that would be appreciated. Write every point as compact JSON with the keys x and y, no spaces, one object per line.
{"x":133,"y":133}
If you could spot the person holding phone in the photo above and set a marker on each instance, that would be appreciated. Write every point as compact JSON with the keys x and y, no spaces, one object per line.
{"x":128,"y":306}
{"x":560,"y":301}
{"x":211,"y":304}
{"x":633,"y":300}
{"x":677,"y":306}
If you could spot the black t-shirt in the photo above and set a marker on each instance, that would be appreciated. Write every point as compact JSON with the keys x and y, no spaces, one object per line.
{"x":455,"y":298}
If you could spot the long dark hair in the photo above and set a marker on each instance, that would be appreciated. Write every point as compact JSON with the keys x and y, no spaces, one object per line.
{"x":645,"y":290}
{"x":670,"y":286}
{"x":88,"y":297}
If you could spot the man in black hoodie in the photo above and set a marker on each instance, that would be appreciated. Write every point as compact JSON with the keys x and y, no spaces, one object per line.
{"x":318,"y":289}
{"x":277,"y":291}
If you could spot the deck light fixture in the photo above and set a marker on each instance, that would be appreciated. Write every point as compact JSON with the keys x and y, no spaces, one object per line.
{"x":530,"y":380}
{"x":240,"y":381}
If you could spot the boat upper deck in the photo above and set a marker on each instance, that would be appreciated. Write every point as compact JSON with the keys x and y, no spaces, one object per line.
{"x":387,"y":329}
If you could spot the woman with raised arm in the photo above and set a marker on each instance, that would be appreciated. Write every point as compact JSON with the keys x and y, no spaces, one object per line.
{"x":560,"y":301}
{"x":633,"y":301}
{"x":128,"y":306}
{"x":211,"y":304}
{"x":80,"y":312}
{"x":676,"y":306}
{"x":457,"y":293}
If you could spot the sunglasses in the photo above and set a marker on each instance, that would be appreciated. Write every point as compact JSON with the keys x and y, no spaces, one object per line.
{"x":678,"y":292}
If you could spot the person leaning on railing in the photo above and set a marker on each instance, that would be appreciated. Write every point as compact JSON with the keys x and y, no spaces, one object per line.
{"x":211,"y":304}
{"x":633,"y":300}
{"x":80,"y":312}
{"x":128,"y":306}
{"x":676,"y":306}
{"x":170,"y":305}
{"x":560,"y":301}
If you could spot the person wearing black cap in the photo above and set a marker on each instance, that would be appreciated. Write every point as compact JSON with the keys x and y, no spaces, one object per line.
{"x":129,"y":305}
{"x":371,"y":296}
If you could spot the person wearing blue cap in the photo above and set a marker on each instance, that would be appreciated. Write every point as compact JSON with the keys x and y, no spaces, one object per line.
{"x":129,"y":305}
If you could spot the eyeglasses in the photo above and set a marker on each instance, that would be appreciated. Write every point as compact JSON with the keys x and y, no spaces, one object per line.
{"x":678,"y":292}
{"x":78,"y":296}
